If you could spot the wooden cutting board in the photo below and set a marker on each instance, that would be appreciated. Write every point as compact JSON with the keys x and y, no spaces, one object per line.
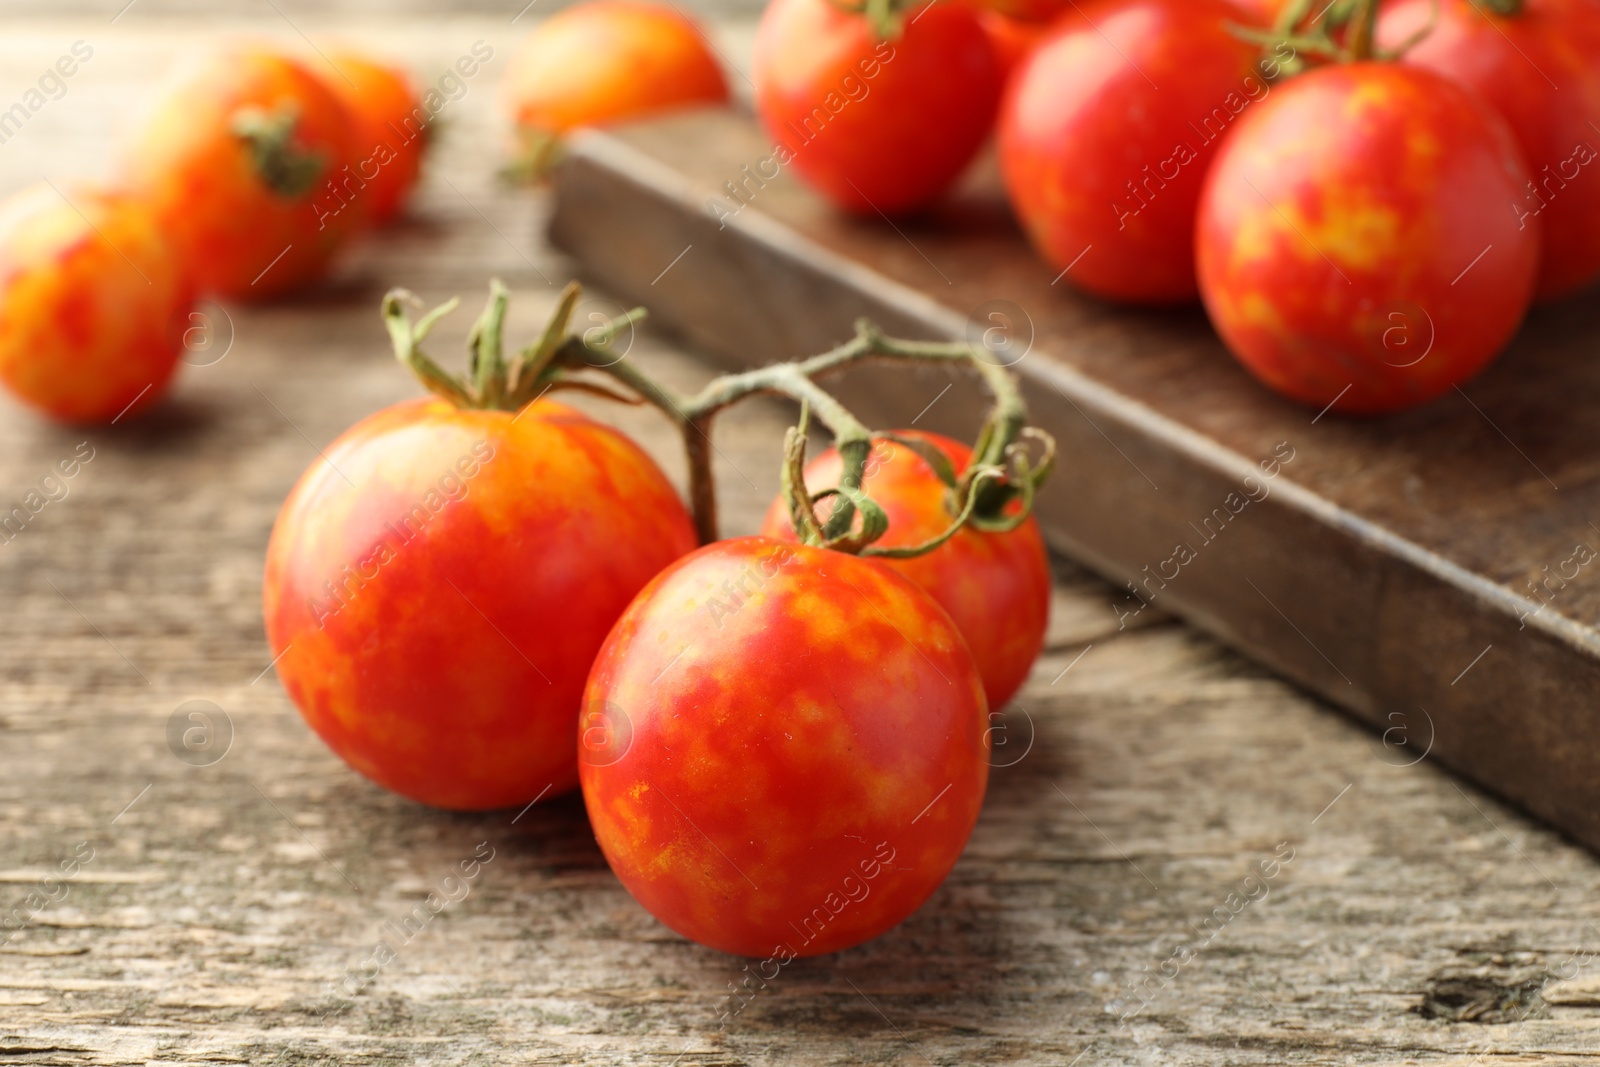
{"x":1436,"y":573}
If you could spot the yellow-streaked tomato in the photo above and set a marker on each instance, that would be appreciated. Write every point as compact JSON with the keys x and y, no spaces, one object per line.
{"x":92,"y":303}
{"x":784,"y":748}
{"x":1356,"y":244}
{"x":605,"y":61}
{"x":391,"y":131}
{"x":236,"y":158}
{"x":437,"y":589}
{"x":995,"y":586}
{"x":1540,"y":69}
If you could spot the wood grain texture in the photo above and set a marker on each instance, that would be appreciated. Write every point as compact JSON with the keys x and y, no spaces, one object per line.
{"x":225,"y":904}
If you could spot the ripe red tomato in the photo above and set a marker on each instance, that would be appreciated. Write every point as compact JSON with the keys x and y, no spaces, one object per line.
{"x":92,"y":303}
{"x":1012,"y":39}
{"x":436,"y":613}
{"x":237,"y":158}
{"x":1355,"y":245}
{"x":1541,"y":71}
{"x":1034,"y":11}
{"x":875,"y":125}
{"x":1260,"y":12}
{"x":1107,"y":130}
{"x":995,"y":586}
{"x":391,"y":132}
{"x":607,"y":61}
{"x":784,"y":748}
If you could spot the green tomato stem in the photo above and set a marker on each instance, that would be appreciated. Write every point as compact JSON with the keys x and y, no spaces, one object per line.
{"x":283,"y":166}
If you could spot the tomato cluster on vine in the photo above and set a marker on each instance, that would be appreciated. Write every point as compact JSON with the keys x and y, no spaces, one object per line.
{"x":487,"y":598}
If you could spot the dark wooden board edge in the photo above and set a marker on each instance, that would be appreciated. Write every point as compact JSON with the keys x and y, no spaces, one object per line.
{"x":1432,"y":655}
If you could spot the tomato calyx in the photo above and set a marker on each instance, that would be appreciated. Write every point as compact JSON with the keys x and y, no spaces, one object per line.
{"x":289,"y":170}
{"x":492,"y":382}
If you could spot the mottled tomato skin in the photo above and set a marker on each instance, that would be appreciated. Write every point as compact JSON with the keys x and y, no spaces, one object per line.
{"x":609,"y":60}
{"x":1106,"y":132}
{"x":449,"y":667}
{"x":1541,"y":71}
{"x":784,"y":748}
{"x":1355,"y":240}
{"x":390,"y":130}
{"x":92,"y":303}
{"x":875,"y":126}
{"x":995,"y":586}
{"x":241,"y":238}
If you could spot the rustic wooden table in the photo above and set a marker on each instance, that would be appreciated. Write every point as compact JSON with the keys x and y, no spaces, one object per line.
{"x":1182,"y":860}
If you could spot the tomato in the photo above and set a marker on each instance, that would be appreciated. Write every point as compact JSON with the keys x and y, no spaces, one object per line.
{"x":92,"y":303}
{"x":784,"y":748}
{"x":1012,"y":39}
{"x":438,"y":588}
{"x":875,"y":125}
{"x":391,"y":131}
{"x":1355,"y":245}
{"x":606,"y":61}
{"x":238,"y":158}
{"x":1106,"y":133}
{"x":1260,"y":12}
{"x":995,"y":586}
{"x":1541,"y":71}
{"x":1034,"y":11}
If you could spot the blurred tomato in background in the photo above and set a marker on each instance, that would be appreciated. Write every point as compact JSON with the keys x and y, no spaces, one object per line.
{"x":241,"y":159}
{"x":92,"y":304}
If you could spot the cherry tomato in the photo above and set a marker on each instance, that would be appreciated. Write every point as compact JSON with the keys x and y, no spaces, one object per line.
{"x":875,"y":125}
{"x":1355,"y":243}
{"x":1106,"y":133}
{"x":1541,"y":71}
{"x":784,"y":748}
{"x":438,"y":588}
{"x":996,"y":586}
{"x":1034,"y":11}
{"x":1260,"y":12}
{"x":391,"y":131}
{"x":606,"y":61}
{"x":92,"y":303}
{"x":238,"y":158}
{"x":1012,"y":39}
